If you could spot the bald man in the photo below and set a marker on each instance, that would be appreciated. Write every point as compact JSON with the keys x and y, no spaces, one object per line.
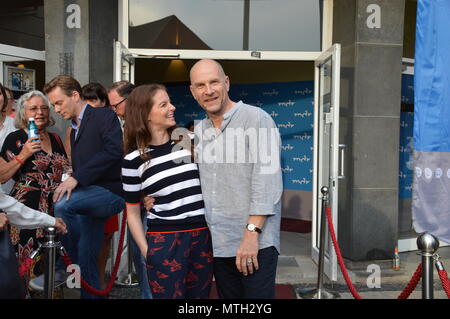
{"x":242,"y":192}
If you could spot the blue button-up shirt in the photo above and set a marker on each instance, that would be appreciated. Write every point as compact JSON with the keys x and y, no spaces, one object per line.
{"x":240,"y":175}
{"x":74,"y":125}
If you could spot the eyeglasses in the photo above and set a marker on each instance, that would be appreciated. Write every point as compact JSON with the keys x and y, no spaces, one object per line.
{"x":113,"y":106}
{"x":34,"y":109}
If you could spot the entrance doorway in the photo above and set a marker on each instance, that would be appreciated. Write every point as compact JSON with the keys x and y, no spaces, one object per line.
{"x":300,"y":91}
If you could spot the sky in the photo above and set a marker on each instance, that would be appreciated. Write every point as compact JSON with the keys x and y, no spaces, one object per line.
{"x":288,"y":25}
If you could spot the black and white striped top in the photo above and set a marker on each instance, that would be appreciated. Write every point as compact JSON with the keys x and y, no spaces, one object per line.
{"x":171,"y":178}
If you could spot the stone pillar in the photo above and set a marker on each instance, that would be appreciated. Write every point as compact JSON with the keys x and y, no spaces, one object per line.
{"x":371,"y":35}
{"x":103,"y":30}
{"x":66,"y":44}
{"x":79,"y":37}
{"x":67,"y":39}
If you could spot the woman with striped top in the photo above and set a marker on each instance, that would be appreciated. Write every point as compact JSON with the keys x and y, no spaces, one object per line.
{"x":177,"y":245}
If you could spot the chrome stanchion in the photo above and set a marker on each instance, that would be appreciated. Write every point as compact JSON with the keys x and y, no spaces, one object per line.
{"x":428,"y":245}
{"x":438,"y":263}
{"x":50,"y":256}
{"x":130,"y":280}
{"x":36,"y":252}
{"x":320,"y":292}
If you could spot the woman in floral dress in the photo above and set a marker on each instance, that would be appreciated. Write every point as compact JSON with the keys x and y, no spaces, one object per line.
{"x":36,"y":166}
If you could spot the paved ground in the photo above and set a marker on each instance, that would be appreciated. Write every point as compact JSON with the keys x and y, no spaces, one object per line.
{"x":297,"y":269}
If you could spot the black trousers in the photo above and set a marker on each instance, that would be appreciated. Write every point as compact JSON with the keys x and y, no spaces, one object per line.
{"x":231,"y":284}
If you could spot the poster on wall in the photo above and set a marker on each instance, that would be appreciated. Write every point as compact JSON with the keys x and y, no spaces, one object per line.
{"x":19,"y":79}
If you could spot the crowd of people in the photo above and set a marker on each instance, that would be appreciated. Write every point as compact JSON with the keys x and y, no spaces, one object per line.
{"x":192,"y":215}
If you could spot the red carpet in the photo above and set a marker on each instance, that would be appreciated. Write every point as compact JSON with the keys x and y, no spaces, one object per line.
{"x":295,"y":225}
{"x":281,"y":292}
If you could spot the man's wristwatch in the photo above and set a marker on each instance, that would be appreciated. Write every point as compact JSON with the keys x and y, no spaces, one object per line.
{"x":253,"y":228}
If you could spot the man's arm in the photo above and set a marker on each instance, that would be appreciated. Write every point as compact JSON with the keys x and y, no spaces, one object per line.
{"x":265,"y":193}
{"x":25,"y":217}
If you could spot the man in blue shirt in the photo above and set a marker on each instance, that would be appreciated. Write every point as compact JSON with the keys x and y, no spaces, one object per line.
{"x":239,"y":163}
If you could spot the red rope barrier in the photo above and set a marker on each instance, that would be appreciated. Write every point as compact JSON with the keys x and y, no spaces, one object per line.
{"x":412,"y":283}
{"x":445,"y":281}
{"x":104,"y":292}
{"x":405,"y":293}
{"x":339,"y":255}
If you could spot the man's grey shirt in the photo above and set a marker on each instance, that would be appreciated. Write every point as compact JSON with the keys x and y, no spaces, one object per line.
{"x":240,"y":175}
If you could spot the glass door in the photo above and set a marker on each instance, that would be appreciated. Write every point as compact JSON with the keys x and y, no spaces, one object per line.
{"x":327,"y":151}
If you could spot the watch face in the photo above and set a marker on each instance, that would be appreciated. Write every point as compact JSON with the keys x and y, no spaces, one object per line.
{"x":251,"y":227}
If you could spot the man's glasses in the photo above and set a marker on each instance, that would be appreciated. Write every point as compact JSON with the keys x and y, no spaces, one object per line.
{"x":113,"y":106}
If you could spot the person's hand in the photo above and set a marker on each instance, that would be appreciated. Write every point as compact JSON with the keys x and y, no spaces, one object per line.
{"x":148,"y":202}
{"x":60,"y":225}
{"x":65,"y":187}
{"x":247,"y":253}
{"x":30,"y":147}
{"x":144,"y":252}
{"x":3,"y":221}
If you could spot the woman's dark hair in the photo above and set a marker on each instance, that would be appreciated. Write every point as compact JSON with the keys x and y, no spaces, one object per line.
{"x":94,"y":91}
{"x":189,"y":124}
{"x":5,"y":99}
{"x":137,"y":136}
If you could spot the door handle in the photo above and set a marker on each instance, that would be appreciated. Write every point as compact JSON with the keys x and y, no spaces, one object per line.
{"x":341,"y":174}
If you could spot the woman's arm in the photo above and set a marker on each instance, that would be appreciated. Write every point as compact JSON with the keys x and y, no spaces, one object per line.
{"x":136,"y":227}
{"x":9,"y":169}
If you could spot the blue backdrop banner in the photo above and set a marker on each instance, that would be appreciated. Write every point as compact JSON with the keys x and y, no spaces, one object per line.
{"x":431,"y":189}
{"x":291,"y":105}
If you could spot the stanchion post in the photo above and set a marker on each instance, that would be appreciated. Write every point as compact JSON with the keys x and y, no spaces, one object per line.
{"x":323,"y":224}
{"x":50,"y":254}
{"x":320,"y":292}
{"x":36,"y":252}
{"x":130,"y":280}
{"x":428,"y":245}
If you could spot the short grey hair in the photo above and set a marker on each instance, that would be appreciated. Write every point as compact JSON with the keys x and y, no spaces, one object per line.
{"x":20,"y":120}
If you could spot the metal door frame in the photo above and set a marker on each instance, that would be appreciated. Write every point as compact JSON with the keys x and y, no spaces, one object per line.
{"x":333,"y":53}
{"x":130,"y":54}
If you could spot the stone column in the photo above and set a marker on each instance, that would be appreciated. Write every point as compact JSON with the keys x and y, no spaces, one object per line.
{"x":103,"y":30}
{"x":79,"y":37}
{"x":66,"y":44}
{"x":371,"y":35}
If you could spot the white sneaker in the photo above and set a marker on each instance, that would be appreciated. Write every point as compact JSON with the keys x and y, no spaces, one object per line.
{"x":38,"y":282}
